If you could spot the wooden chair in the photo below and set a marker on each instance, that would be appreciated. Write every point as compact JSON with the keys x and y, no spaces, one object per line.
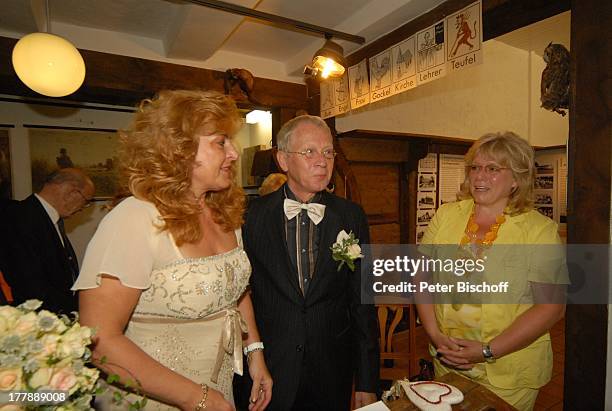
{"x":398,"y":346}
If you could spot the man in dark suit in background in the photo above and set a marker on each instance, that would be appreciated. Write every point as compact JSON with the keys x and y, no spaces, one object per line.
{"x":317,"y":335}
{"x":37,"y":259}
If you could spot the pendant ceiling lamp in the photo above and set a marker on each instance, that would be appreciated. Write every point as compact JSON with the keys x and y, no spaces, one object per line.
{"x":48,"y":64}
{"x":328,"y":61}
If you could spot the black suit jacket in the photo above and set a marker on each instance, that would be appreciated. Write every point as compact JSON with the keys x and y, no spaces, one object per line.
{"x":327,"y":331}
{"x":34,"y":262}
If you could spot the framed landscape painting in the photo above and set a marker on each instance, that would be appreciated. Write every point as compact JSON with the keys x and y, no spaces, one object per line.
{"x":94,"y":151}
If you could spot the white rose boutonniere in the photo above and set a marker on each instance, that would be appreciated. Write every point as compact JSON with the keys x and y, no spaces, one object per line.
{"x":346,"y":249}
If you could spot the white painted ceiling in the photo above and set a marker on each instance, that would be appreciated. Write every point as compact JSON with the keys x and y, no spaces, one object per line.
{"x":183,"y":33}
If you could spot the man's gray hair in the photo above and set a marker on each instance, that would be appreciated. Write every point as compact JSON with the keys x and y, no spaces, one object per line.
{"x":285,"y":133}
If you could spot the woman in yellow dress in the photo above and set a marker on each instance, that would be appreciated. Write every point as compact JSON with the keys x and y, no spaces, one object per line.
{"x":503,"y":346}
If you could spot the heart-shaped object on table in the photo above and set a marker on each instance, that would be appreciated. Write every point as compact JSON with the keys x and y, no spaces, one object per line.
{"x":432,"y":395}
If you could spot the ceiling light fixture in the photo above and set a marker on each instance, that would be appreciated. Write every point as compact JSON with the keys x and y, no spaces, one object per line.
{"x":327,"y":62}
{"x":48,"y":64}
{"x":258,"y":116}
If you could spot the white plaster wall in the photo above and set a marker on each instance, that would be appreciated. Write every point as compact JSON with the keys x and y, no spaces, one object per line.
{"x":466,"y":104}
{"x":261,"y":133}
{"x":547,"y":128}
{"x":501,"y":94}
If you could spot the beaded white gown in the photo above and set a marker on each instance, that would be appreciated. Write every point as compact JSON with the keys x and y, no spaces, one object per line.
{"x":180,"y":319}
{"x":186,"y":317}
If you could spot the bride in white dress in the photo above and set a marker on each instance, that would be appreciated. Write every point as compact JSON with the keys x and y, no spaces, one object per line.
{"x":164,"y":277}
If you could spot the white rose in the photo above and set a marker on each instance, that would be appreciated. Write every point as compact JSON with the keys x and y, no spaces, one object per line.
{"x":63,"y":379}
{"x":10,"y":379}
{"x":40,"y":378}
{"x":354,"y":251}
{"x":50,"y":343}
{"x":61,"y":327}
{"x":342,"y":235}
{"x":74,"y":341}
{"x":8,"y":318}
{"x":26,"y":324}
{"x":4,"y":326}
{"x":87,"y":378}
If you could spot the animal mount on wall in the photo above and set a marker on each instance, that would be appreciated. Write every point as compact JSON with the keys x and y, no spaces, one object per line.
{"x":555,"y":85}
{"x":239,"y":83}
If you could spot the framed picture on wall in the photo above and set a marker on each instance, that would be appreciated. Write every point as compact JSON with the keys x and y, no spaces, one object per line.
{"x":6,"y":181}
{"x":94,"y":151}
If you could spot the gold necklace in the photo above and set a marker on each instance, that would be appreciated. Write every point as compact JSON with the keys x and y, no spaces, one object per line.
{"x":470,"y":236}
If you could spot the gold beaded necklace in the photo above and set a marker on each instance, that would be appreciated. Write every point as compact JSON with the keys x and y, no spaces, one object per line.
{"x":470,"y":236}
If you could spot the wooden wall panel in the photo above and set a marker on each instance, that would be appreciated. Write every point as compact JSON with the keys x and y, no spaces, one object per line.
{"x":385,"y":234}
{"x":359,"y":149}
{"x":589,"y":162}
{"x":379,"y":188}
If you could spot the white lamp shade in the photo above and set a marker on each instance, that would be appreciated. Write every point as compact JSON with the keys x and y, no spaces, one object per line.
{"x":258,"y":116}
{"x":48,"y":64}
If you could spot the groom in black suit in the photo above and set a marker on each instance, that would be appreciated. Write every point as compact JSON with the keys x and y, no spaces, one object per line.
{"x":36,"y":256}
{"x":318,"y":337}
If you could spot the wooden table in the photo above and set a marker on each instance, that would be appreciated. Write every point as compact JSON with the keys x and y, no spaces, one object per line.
{"x":476,"y":397}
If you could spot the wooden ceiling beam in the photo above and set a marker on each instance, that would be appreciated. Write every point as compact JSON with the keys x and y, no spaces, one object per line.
{"x":122,"y":80}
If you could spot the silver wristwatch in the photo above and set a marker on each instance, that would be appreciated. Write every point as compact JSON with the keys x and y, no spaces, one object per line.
{"x":487,"y":353}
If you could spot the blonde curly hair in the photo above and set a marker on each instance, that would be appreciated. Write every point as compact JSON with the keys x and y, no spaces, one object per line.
{"x":157,"y":156}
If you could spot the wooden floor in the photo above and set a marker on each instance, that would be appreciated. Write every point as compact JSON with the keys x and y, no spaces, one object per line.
{"x":551,"y":395}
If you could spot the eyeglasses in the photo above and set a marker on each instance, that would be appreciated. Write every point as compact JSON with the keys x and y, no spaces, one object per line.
{"x":489,"y":169}
{"x":309,"y":153}
{"x":87,"y":201}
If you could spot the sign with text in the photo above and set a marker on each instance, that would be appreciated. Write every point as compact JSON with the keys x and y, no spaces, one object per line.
{"x":451,"y":44}
{"x":380,"y":76}
{"x":431,"y":53}
{"x":464,"y":38}
{"x":359,"y":85}
{"x":404,"y":66}
{"x":334,"y":97}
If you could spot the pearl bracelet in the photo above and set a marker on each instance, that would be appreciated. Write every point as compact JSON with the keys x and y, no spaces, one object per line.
{"x":256,"y":346}
{"x":202,"y":404}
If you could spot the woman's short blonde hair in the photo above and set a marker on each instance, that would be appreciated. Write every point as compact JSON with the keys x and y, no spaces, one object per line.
{"x":157,"y":156}
{"x":272,"y":183}
{"x":508,"y":150}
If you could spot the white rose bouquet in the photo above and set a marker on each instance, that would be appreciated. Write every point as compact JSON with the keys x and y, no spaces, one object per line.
{"x":346,"y":249}
{"x":40,"y":351}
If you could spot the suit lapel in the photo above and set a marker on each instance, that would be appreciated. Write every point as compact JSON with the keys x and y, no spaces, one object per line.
{"x":329,"y":231}
{"x":49,"y":230}
{"x":277,"y":221}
